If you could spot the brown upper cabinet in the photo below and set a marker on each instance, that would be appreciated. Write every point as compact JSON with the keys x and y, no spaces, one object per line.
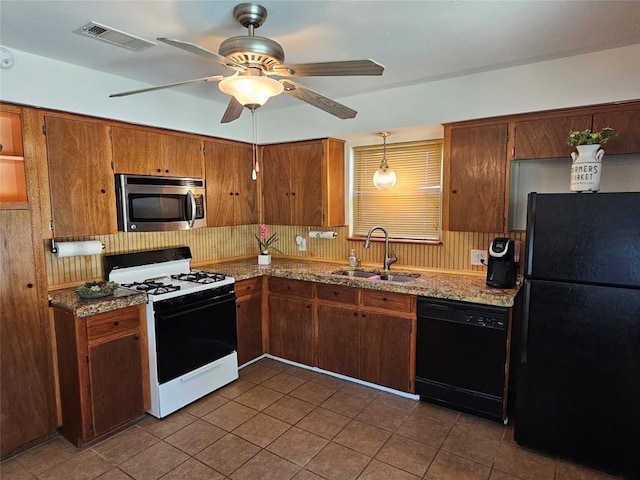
{"x":231,"y":192}
{"x":138,"y":151}
{"x":474,"y":187}
{"x":477,"y":155}
{"x":303,"y":183}
{"x":625,"y":119}
{"x":544,"y":135}
{"x":547,"y":137}
{"x":80,"y":177}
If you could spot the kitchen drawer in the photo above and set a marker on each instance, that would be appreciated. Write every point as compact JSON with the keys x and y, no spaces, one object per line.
{"x":297,"y":288}
{"x":398,"y":302}
{"x":252,"y":286}
{"x":113,"y":324}
{"x":336,"y":293}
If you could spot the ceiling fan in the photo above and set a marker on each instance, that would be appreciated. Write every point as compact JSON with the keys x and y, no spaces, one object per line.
{"x":255,"y":60}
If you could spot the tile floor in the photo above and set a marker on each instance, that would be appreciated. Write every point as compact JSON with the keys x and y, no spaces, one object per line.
{"x":280,"y":422}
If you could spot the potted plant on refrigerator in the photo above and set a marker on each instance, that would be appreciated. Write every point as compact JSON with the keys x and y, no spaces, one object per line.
{"x":587,"y":162}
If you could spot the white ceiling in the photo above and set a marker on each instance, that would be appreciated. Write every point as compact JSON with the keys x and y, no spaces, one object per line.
{"x":416,"y":41}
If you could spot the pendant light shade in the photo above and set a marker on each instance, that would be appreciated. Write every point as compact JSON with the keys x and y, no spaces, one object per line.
{"x":384,"y":177}
{"x":251,"y":88}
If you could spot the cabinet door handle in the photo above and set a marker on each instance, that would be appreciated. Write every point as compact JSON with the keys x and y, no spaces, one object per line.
{"x":230,"y":193}
{"x":102,"y":190}
{"x":158,"y":170}
{"x":166,"y":171}
{"x":293,"y":194}
{"x":29,"y":285}
{"x":115,"y":324}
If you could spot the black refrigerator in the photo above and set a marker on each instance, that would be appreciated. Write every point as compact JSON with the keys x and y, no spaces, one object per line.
{"x":578,"y":384}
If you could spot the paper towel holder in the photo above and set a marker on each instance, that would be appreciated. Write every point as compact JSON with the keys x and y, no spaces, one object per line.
{"x":54,"y":249}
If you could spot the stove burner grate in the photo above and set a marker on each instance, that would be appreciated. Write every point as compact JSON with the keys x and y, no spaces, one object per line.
{"x":199,"y":277}
{"x":151,"y":287}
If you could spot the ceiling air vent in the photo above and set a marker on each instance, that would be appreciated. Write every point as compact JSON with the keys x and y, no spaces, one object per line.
{"x":114,"y":37}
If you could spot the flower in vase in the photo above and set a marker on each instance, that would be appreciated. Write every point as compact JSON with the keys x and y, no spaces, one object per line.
{"x":265,"y":242}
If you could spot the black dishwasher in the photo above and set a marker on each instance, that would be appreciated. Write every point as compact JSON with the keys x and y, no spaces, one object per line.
{"x":461,"y":356}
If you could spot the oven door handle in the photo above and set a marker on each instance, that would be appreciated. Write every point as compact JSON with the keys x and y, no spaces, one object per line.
{"x":192,"y":203}
{"x":201,"y":371}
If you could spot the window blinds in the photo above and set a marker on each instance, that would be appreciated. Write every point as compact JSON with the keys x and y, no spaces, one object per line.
{"x":411,"y":209}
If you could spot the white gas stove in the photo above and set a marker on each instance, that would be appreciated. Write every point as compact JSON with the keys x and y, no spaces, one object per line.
{"x":191,"y":324}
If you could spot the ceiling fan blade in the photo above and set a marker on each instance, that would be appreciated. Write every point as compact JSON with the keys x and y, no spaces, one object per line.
{"x":317,"y":100}
{"x":203,"y":52}
{"x":234,"y":109}
{"x":169,"y":85}
{"x":321,"y":69}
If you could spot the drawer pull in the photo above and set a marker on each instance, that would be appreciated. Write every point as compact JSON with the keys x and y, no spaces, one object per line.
{"x":336,"y":293}
{"x":115,"y":324}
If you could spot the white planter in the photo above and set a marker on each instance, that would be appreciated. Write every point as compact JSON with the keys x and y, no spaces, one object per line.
{"x":264,"y":259}
{"x":586,"y":168}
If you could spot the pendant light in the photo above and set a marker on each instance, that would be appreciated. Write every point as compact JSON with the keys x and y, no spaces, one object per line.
{"x":384,"y":178}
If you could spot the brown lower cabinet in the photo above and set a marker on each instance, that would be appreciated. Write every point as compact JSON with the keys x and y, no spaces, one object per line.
{"x":103,"y":371}
{"x":385,"y":350}
{"x":291,"y":320}
{"x":364,"y":334}
{"x":367,"y":334}
{"x":249,"y":319}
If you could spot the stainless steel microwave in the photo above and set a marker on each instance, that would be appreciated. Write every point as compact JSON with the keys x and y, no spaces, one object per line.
{"x":156,"y":204}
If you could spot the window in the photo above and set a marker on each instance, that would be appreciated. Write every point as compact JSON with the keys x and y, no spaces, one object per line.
{"x":412,"y":208}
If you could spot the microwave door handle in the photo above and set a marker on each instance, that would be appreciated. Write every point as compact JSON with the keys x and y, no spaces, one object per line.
{"x":192,"y":202}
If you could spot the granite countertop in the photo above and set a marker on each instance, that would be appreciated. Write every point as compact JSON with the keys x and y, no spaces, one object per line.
{"x":68,"y":299}
{"x":438,"y":284}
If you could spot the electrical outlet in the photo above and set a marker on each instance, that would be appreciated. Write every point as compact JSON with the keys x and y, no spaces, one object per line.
{"x":478,"y":257}
{"x":302,"y":243}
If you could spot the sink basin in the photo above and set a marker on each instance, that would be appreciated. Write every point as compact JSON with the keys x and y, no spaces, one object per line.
{"x":392,"y":277}
{"x":355,"y":273}
{"x":386,"y":277}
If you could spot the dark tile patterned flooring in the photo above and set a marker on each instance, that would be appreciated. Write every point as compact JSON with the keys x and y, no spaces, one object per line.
{"x":281,"y":422}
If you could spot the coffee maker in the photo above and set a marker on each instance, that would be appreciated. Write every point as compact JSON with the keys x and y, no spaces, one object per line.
{"x":504,"y":255}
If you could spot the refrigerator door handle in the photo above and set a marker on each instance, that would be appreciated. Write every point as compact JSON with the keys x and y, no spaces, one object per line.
{"x":524,"y":337}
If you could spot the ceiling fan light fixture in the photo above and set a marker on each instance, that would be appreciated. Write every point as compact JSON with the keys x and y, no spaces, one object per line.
{"x":384,"y":177}
{"x":250,"y":89}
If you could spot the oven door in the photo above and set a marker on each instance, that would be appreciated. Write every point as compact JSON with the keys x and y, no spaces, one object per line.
{"x":193,"y":330}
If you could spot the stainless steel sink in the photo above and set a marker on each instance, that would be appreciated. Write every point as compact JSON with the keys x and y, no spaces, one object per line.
{"x":355,"y":273}
{"x":392,"y":277}
{"x":385,"y":277}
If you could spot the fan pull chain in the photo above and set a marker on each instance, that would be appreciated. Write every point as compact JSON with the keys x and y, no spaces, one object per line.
{"x":254,"y":123}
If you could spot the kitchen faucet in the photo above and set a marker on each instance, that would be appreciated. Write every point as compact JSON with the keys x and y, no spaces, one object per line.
{"x":388,"y":260}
